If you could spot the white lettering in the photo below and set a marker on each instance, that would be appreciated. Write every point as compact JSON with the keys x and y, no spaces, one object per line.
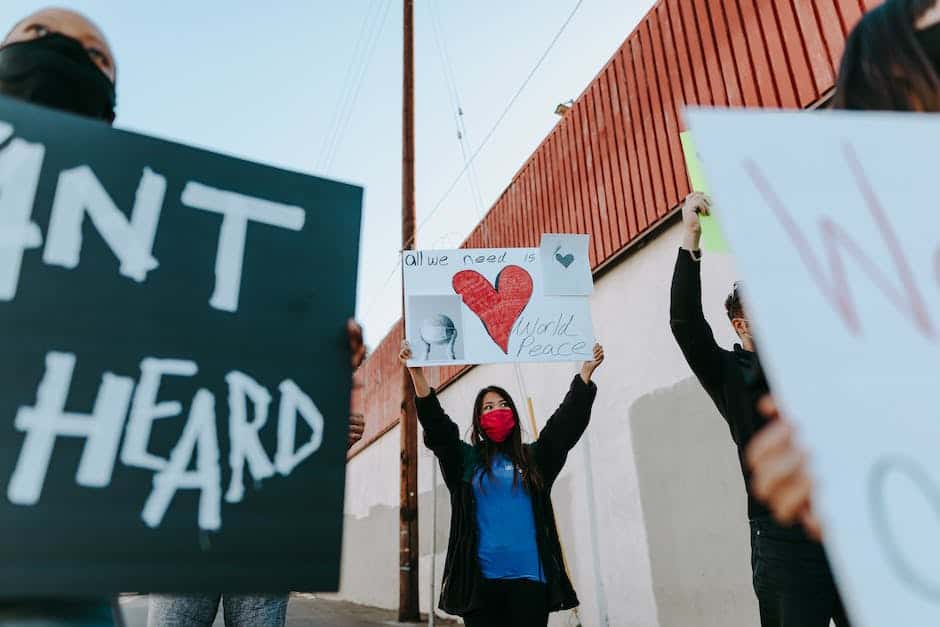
{"x":294,"y":401}
{"x":48,"y":420}
{"x":237,"y":210}
{"x":145,"y":410}
{"x":79,"y":191}
{"x":20,"y":166}
{"x":244,"y":443}
{"x":199,"y":437}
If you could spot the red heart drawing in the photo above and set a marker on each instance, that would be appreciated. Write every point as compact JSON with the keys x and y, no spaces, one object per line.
{"x":497,"y":308}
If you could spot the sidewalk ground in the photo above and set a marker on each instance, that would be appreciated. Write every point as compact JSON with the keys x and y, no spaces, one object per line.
{"x":305,"y":610}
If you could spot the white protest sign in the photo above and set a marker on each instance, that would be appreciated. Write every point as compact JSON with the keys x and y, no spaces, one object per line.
{"x":834,"y":218}
{"x":492,"y":305}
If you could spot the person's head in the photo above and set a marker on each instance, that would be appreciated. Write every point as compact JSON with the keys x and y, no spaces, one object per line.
{"x":60,"y":59}
{"x":497,"y":429}
{"x":734,"y":307}
{"x":892,"y":59}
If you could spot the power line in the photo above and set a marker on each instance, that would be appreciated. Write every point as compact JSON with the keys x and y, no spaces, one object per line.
{"x":463,"y":137}
{"x":502,"y":116}
{"x":347,"y":111}
{"x":351,"y":71}
{"x":468,"y":162}
{"x":359,"y":83}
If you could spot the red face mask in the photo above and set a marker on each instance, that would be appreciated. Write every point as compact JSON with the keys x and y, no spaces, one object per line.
{"x":498,"y":424}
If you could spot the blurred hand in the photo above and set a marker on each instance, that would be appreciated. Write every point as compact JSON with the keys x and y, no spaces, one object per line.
{"x":357,"y":349}
{"x":780,"y":475}
{"x":357,"y":354}
{"x":357,"y":426}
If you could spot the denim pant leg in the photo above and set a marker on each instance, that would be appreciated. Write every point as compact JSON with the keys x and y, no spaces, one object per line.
{"x":182,"y":610}
{"x":255,"y":610}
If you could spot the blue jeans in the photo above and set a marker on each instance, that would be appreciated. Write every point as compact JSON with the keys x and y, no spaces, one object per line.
{"x":194,"y":610}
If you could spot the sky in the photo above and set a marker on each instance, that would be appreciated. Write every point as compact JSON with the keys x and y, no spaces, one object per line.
{"x":315,"y":86}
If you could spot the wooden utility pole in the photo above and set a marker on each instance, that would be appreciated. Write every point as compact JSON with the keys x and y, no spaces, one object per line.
{"x":408,"y":507}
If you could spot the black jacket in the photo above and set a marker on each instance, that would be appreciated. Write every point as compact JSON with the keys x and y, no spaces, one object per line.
{"x":729,"y":377}
{"x":460,"y":590}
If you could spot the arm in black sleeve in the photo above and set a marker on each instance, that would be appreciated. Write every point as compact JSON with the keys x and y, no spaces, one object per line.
{"x":564,"y":428}
{"x":441,"y":435}
{"x":688,"y":323}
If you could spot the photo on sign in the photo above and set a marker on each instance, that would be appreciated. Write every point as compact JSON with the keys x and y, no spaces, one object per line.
{"x":566,"y":270}
{"x":436,"y":328}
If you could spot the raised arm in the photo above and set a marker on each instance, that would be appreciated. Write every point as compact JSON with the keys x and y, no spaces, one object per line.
{"x":441,"y":434}
{"x":567,"y":424}
{"x":686,"y":318}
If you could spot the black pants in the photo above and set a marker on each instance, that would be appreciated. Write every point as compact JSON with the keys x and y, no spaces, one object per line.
{"x":511,"y":603}
{"x":792,"y":579}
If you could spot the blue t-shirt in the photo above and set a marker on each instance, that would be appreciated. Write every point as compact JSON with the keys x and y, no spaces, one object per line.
{"x":508,"y":548}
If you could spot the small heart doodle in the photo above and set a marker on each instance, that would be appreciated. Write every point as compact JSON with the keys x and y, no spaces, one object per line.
{"x":497,"y":308}
{"x":565,"y":260}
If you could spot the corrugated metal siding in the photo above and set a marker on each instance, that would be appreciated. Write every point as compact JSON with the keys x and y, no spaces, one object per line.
{"x":613,"y":165}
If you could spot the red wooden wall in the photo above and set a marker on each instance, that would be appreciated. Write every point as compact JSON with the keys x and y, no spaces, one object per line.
{"x":613,"y":165}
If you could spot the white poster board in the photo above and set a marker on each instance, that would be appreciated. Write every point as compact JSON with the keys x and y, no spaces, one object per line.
{"x":497,"y":305}
{"x":835,"y":219}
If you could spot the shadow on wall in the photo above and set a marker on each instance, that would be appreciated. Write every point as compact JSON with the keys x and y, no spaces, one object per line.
{"x":694,"y":509}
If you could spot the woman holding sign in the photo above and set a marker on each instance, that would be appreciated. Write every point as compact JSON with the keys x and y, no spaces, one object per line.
{"x":504,"y":562}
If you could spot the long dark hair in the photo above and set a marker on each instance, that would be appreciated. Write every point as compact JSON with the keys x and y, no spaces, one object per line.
{"x":884,"y":66}
{"x":511,"y":447}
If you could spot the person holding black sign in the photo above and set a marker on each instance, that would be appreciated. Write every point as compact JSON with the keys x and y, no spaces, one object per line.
{"x":791,"y":574}
{"x":60,"y":59}
{"x":504,"y":563}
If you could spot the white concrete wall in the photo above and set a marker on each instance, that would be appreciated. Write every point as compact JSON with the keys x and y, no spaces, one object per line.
{"x":369,"y":572}
{"x":650,"y":506}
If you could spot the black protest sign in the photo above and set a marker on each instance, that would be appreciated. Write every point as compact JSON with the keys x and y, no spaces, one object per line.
{"x":174,"y":375}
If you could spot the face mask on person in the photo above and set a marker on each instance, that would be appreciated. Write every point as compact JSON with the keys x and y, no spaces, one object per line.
{"x":497,"y":424}
{"x":56,"y":71}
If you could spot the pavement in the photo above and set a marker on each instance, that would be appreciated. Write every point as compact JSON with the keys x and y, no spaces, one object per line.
{"x":304,"y":610}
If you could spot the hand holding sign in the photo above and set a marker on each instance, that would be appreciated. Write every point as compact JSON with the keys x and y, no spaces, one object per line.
{"x":357,"y":348}
{"x":422,"y":389}
{"x":597,"y":358}
{"x":695,"y":207}
{"x":780,"y":474}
